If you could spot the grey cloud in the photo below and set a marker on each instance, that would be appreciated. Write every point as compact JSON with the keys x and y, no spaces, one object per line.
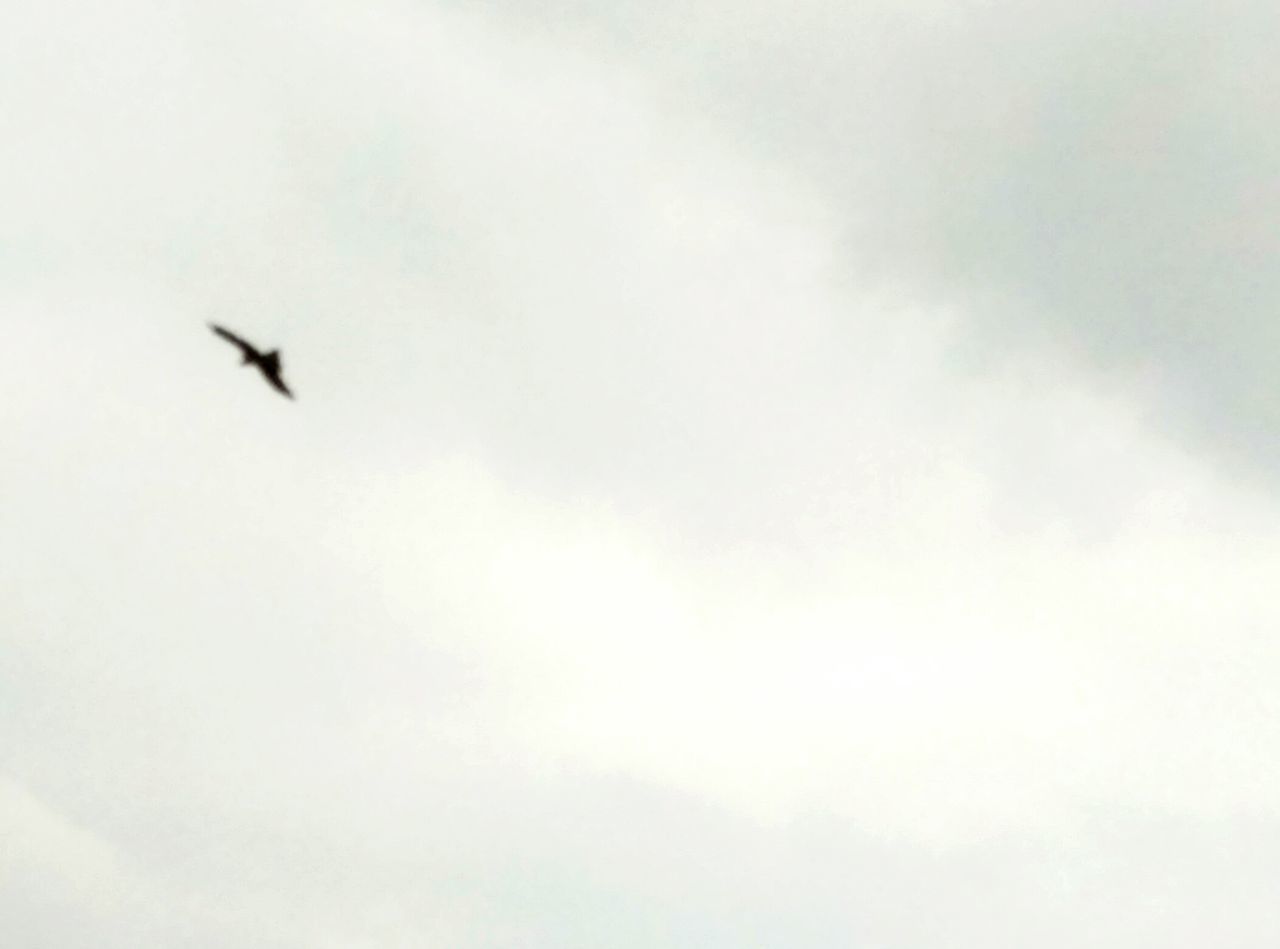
{"x":1094,"y":177}
{"x":453,"y":300}
{"x":473,"y":242}
{"x":575,"y":860}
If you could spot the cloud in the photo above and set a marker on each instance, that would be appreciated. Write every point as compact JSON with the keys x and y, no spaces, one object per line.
{"x":640,"y":564}
{"x":1091,"y":177}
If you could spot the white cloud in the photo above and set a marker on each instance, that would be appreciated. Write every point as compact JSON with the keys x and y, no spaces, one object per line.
{"x":627,"y":572}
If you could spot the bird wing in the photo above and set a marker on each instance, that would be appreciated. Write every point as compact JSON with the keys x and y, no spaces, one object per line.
{"x":278,"y":383}
{"x":235,"y":340}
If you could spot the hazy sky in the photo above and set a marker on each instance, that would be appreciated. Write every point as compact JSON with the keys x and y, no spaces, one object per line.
{"x":792,"y":475}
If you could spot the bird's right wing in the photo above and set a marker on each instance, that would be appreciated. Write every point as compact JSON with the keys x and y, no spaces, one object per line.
{"x":279,"y":385}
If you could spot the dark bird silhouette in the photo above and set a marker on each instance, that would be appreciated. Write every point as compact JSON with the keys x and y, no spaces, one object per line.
{"x":267,"y":363}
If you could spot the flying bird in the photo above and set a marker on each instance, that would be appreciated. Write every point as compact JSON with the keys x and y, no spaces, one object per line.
{"x":267,"y":363}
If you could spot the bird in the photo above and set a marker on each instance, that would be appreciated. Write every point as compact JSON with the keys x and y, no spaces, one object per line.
{"x":266,"y":363}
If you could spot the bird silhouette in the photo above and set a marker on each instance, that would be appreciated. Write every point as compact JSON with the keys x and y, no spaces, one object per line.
{"x":267,"y":363}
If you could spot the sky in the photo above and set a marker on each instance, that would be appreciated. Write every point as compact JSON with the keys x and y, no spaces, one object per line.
{"x":763,"y":475}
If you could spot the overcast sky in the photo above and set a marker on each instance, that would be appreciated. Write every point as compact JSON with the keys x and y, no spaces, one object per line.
{"x":767,"y":474}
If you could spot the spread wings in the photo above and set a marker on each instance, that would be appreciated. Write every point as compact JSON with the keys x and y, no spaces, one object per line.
{"x":266,"y":363}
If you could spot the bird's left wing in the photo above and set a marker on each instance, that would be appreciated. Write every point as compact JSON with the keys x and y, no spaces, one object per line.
{"x":232,"y":338}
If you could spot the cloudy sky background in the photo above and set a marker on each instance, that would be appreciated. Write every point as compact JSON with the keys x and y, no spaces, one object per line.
{"x":764,"y":474}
